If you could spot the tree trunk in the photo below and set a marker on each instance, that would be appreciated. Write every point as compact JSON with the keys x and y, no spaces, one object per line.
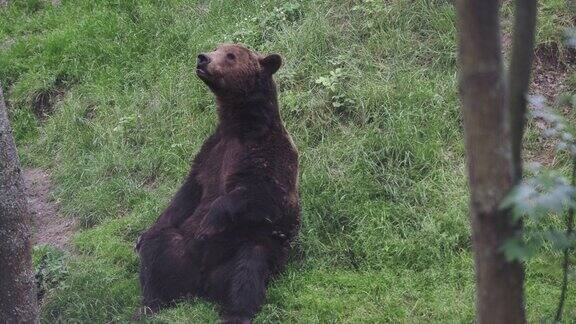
{"x":519,"y":76}
{"x":18,"y":302}
{"x":483,"y":93}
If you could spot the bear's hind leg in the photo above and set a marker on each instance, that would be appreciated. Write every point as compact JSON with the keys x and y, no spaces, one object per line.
{"x":167,"y":270}
{"x":239,"y":286}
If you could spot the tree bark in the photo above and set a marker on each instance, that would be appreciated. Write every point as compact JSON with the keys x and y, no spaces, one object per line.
{"x":483,"y":93}
{"x":18,"y":302}
{"x":519,"y":75}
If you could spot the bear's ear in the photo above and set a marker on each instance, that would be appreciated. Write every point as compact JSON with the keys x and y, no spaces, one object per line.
{"x":271,"y":63}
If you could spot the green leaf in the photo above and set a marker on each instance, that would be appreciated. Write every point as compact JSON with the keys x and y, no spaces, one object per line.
{"x":560,"y":240}
{"x":516,"y":250}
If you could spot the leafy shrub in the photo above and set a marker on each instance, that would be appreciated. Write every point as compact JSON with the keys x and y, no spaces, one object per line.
{"x":261,"y":28}
{"x":50,"y":268}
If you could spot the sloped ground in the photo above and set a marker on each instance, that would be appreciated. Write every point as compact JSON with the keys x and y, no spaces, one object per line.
{"x":49,"y":227}
{"x":385,"y":235}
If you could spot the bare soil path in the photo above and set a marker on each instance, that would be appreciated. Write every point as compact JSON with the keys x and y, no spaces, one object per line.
{"x":49,"y":227}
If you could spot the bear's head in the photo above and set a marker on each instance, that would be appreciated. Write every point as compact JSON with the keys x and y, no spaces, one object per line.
{"x":233,"y":70}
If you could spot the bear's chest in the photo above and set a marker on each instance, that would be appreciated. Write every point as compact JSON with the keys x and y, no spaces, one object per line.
{"x":221,"y":163}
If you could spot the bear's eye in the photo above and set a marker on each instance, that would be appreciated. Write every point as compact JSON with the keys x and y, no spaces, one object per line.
{"x":230,"y":56}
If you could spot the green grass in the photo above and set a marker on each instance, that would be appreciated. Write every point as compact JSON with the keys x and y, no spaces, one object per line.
{"x":385,"y":234}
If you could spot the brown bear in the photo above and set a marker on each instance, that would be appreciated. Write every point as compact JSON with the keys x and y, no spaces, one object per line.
{"x":228,"y":230}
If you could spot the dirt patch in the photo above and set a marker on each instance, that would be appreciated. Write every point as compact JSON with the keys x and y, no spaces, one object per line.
{"x":549,"y":72}
{"x":44,"y":101}
{"x":549,"y":76}
{"x":49,"y":227}
{"x":549,"y":69}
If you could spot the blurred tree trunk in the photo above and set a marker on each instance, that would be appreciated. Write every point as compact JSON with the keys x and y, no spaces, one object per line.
{"x":18,"y":302}
{"x":519,"y":76}
{"x":493,"y":110}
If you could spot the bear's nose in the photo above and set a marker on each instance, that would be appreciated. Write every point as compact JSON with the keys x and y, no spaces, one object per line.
{"x":203,"y":60}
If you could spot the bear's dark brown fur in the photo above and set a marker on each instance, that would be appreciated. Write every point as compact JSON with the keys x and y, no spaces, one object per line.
{"x":228,"y":229}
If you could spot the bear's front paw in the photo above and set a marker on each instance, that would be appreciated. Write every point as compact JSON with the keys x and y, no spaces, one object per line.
{"x":211,"y":225}
{"x":138,"y":242}
{"x":142,"y":312}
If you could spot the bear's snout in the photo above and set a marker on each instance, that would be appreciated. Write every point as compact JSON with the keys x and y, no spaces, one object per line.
{"x":202,"y":61}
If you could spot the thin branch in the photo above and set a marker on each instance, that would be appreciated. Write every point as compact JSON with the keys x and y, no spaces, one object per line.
{"x":519,"y":75}
{"x":566,"y":261}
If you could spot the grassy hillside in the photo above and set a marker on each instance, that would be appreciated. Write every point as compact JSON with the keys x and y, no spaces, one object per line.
{"x":104,"y":95}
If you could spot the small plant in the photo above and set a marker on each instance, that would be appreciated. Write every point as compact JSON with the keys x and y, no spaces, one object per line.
{"x":368,"y":9}
{"x":126,"y":123}
{"x":288,"y":12}
{"x":261,"y":27}
{"x":50,"y":268}
{"x":247,"y":32}
{"x":332,"y":83}
{"x":546,"y":194}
